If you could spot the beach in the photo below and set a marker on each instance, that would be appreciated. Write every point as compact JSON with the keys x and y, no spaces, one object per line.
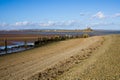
{"x":73,"y":59}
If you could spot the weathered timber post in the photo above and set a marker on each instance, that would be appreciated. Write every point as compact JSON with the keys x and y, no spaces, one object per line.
{"x":6,"y":46}
{"x":25,"y":44}
{"x":85,"y":35}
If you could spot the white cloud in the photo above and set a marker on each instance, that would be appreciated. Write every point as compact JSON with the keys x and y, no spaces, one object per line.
{"x":99,"y":15}
{"x":27,"y":24}
{"x":3,"y":24}
{"x":117,"y":15}
{"x":69,"y":23}
{"x":58,"y":23}
{"x":46,"y":24}
{"x":24,"y":23}
{"x":104,"y":24}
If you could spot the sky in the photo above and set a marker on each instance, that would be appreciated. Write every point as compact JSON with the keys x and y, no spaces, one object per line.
{"x":59,"y":14}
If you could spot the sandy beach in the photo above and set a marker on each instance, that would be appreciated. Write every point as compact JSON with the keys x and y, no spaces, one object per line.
{"x":93,"y":58}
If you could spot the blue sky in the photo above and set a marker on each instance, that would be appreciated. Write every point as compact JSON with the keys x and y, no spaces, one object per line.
{"x":59,"y":14}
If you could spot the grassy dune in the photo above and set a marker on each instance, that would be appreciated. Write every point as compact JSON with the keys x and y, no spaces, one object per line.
{"x":94,"y":58}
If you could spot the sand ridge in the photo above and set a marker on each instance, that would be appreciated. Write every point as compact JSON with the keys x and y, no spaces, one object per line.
{"x":102,"y":65}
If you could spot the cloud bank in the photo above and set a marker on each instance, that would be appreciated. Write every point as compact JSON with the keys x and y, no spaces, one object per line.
{"x":66,"y":24}
{"x":48,"y":24}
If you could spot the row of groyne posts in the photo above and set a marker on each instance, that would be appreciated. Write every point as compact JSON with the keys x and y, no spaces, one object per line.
{"x":43,"y":40}
{"x":46,"y":40}
{"x":11,"y":48}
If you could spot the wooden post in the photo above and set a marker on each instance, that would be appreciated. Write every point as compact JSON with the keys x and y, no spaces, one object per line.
{"x":6,"y":46}
{"x":39,"y":41}
{"x":25,"y":44}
